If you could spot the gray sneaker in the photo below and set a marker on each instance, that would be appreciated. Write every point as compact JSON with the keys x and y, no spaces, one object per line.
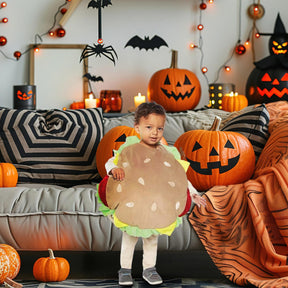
{"x":125,"y":278}
{"x":151,"y":276}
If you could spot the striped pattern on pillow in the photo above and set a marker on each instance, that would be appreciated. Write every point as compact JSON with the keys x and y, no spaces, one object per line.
{"x":51,"y":146}
{"x":252,"y":124}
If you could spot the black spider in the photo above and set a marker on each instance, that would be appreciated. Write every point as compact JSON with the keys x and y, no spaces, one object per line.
{"x":97,"y":50}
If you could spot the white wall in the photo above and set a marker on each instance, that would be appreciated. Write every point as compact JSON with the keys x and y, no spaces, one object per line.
{"x":172,"y":20}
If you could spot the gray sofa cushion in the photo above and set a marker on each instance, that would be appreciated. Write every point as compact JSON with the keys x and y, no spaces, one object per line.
{"x":38,"y":217}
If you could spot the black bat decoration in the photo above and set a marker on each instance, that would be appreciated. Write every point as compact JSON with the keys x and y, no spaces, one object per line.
{"x":93,"y":77}
{"x":146,"y":43}
{"x":98,"y":3}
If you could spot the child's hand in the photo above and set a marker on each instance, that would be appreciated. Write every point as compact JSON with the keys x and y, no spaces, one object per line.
{"x":199,"y":200}
{"x":117,"y":174}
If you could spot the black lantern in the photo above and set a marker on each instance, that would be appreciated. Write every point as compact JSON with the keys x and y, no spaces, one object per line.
{"x":25,"y":97}
{"x":216,"y":93}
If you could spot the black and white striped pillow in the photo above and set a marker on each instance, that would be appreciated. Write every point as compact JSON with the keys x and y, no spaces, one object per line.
{"x":253,"y":124}
{"x":51,"y":146}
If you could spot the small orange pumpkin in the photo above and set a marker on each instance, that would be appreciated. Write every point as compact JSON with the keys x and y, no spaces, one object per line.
{"x":77,"y":105}
{"x":8,"y":175}
{"x":173,"y":88}
{"x":234,"y":102}
{"x":9,"y":262}
{"x":51,"y":269}
{"x":216,"y":157}
{"x":112,"y":140}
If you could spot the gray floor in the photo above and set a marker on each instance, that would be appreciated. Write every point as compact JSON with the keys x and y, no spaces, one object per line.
{"x":95,"y":269}
{"x":104,"y":265}
{"x":138,"y":283}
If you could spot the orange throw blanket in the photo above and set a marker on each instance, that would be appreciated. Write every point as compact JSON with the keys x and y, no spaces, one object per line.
{"x":244,"y":227}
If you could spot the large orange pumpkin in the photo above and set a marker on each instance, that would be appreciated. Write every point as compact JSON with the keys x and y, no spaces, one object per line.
{"x":51,"y":269}
{"x":8,"y":175}
{"x":112,"y":140}
{"x":173,"y":88}
{"x":9,"y":262}
{"x":216,"y":157}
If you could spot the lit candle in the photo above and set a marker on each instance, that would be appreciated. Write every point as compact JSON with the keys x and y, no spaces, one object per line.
{"x":139,"y":99}
{"x":232,"y":94}
{"x":90,"y":102}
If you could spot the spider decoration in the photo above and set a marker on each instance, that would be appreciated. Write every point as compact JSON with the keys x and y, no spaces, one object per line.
{"x":99,"y":49}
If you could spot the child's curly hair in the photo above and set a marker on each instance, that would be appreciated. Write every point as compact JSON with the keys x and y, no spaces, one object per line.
{"x":147,"y":108}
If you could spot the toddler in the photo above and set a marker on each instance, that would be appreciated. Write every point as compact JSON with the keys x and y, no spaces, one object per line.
{"x":146,"y":191}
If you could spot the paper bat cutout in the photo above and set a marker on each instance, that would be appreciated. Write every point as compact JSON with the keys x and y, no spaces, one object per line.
{"x":93,"y":77}
{"x":97,"y":3}
{"x":146,"y":43}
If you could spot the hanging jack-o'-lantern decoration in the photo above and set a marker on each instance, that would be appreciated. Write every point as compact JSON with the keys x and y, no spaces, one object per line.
{"x":268,"y":82}
{"x":112,"y":140}
{"x":173,"y":88}
{"x":25,"y":97}
{"x":216,"y":157}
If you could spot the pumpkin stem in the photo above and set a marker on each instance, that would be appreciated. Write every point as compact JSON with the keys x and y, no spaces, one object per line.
{"x":174,"y":59}
{"x":216,"y":124}
{"x":10,"y":283}
{"x":51,"y":254}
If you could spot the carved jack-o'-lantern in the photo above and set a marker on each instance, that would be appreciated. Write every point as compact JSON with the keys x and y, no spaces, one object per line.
{"x":264,"y":86}
{"x":173,"y":88}
{"x":279,"y":46}
{"x":268,"y":82}
{"x":112,"y":140}
{"x":278,"y":42}
{"x":216,"y":157}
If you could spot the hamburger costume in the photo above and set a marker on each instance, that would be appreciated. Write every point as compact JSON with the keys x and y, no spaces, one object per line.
{"x":153,"y":194}
{"x":150,"y":200}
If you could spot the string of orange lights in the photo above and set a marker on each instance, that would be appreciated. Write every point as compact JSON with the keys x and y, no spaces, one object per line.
{"x":53,"y":31}
{"x":255,"y":12}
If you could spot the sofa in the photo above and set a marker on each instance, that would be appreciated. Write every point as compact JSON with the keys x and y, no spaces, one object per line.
{"x":54,"y":204}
